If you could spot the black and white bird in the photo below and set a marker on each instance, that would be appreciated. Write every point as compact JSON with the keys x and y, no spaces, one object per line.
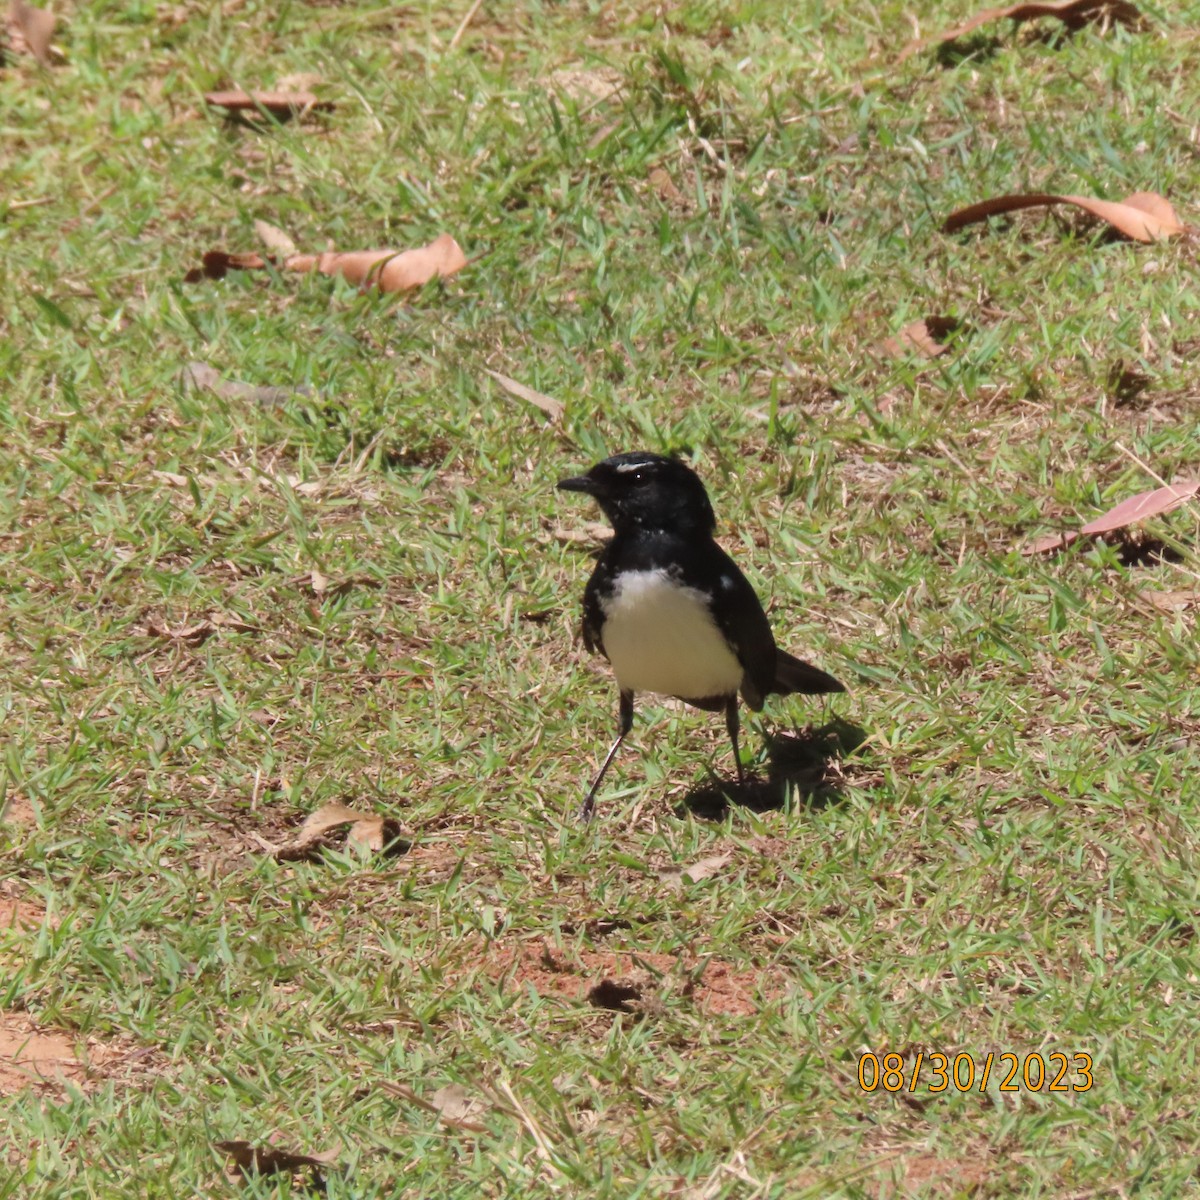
{"x":669,"y":608}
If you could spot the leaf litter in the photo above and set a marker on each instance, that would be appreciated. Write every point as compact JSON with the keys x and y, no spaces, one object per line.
{"x":704,"y":868}
{"x":928,"y":337}
{"x":387,"y":270}
{"x":1074,"y":14}
{"x":197,"y":633}
{"x":34,"y":27}
{"x":248,"y":1160}
{"x":552,"y":408}
{"x":1121,"y":517}
{"x":369,"y":833}
{"x":1141,"y":217}
{"x":454,"y":1106}
{"x":200,"y":376}
{"x":281,"y":105}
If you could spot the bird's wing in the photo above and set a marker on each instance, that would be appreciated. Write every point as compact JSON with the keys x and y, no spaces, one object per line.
{"x":740,"y":617}
{"x":599,"y":584}
{"x":593,"y":621}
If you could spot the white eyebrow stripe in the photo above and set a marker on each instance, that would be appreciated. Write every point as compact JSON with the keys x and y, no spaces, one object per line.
{"x":634,"y":466}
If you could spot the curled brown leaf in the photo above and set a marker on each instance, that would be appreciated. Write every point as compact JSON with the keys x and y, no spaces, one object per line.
{"x":201,"y":376}
{"x":1142,"y":217}
{"x":35,"y":27}
{"x":247,"y":1160}
{"x":1142,"y":507}
{"x":1074,"y":14}
{"x":703,"y":868}
{"x":388,"y":270}
{"x":280,"y":105}
{"x":551,"y":407}
{"x":926,"y":337}
{"x":369,"y":831}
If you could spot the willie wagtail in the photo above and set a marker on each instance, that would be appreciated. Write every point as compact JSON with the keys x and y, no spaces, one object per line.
{"x":669,"y":608}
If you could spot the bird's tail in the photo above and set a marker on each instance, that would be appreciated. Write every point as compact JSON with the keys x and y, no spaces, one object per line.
{"x":794,"y":675}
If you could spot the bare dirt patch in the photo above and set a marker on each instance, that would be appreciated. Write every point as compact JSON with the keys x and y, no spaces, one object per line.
{"x":17,"y":811}
{"x":929,"y":1175}
{"x":627,"y":981}
{"x":20,"y":915}
{"x":44,"y":1059}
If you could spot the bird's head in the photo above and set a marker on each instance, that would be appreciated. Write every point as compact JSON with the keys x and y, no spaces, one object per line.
{"x":640,"y":490}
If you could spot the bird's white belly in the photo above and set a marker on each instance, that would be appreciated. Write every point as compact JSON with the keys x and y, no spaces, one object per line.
{"x":661,"y":637}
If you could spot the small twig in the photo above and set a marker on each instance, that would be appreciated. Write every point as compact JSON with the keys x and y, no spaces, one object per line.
{"x":458,"y":33}
{"x":19,"y":204}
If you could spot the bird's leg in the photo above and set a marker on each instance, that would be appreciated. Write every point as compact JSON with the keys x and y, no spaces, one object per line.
{"x":731,"y":723}
{"x":624,"y":725}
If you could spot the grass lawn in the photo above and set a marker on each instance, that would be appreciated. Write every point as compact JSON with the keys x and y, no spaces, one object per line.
{"x":222,"y":609}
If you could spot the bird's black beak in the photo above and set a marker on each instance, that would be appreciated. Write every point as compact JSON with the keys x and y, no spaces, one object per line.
{"x":578,"y":483}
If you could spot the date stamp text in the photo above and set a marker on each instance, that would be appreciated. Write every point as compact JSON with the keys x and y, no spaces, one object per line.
{"x":1035,"y":1072}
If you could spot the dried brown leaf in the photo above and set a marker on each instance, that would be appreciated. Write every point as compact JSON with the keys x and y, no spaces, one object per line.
{"x":216,"y":264}
{"x":204,"y":377}
{"x":666,"y":188}
{"x":36,"y":27}
{"x":552,"y":408}
{"x":452,"y":1104}
{"x":1142,"y":217}
{"x":281,"y":105}
{"x":926,"y":337}
{"x":1074,"y":14}
{"x":1143,"y":506}
{"x":703,"y":868}
{"x":1172,"y":601}
{"x":1051,"y":543}
{"x":389,"y":270}
{"x":193,"y":635}
{"x":365,"y":830}
{"x":274,"y":238}
{"x":591,"y":531}
{"x":247,"y":1160}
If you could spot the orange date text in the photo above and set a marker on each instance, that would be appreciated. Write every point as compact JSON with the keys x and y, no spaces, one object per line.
{"x":1010,"y":1072}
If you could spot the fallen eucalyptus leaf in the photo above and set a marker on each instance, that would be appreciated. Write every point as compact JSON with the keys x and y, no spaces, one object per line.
{"x":1172,"y":601}
{"x":202,"y":376}
{"x":388,"y":270}
{"x":280,"y":105}
{"x":1143,"y":506}
{"x":1050,"y":543}
{"x":552,"y":408}
{"x":368,"y":831}
{"x":1142,"y":217}
{"x":36,"y":27}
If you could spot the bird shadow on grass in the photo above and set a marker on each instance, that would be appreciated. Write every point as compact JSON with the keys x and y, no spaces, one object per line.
{"x":802,"y":764}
